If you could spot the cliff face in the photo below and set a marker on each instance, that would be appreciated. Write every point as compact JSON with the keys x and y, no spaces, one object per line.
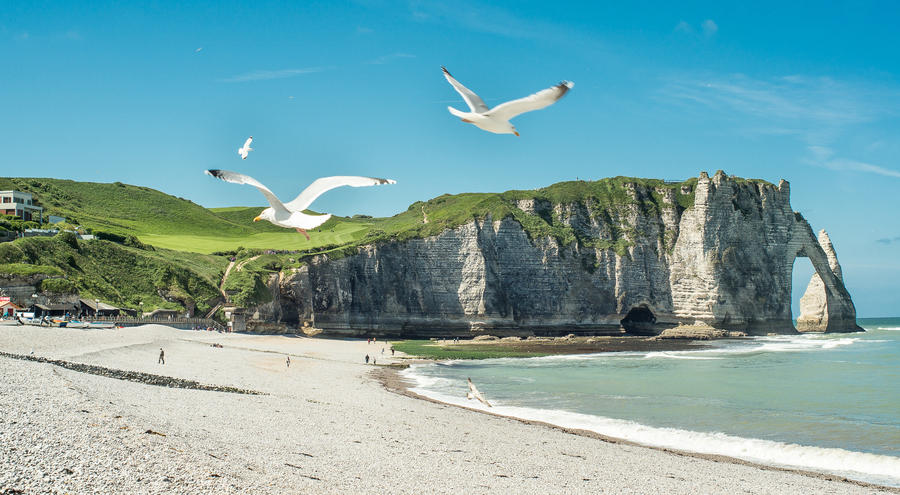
{"x":646,"y":264}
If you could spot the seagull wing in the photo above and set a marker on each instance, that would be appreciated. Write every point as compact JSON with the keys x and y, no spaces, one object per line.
{"x":537,"y":101}
{"x":247,"y":142}
{"x":321,"y":185}
{"x":474,"y":101}
{"x":237,"y":178}
{"x":473,"y":392}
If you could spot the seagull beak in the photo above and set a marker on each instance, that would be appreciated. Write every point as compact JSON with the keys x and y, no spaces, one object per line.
{"x":516,"y":133}
{"x":257,"y":219}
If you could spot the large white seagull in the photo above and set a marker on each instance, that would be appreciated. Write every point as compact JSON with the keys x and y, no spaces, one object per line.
{"x":290,"y":215}
{"x":496,"y":119}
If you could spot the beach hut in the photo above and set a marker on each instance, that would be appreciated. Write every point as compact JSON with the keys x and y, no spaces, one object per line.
{"x":59,"y":310}
{"x":96,"y":308}
{"x":10,"y":309}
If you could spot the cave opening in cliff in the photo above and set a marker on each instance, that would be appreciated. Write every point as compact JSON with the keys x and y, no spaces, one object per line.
{"x":639,"y":320}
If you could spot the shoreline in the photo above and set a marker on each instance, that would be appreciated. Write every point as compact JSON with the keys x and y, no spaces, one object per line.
{"x":392,"y":381}
{"x":325,"y":423}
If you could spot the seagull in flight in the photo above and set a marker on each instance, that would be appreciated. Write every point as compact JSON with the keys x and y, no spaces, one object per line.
{"x":246,"y":149}
{"x":475,"y":394}
{"x":496,"y":119}
{"x":290,"y":215}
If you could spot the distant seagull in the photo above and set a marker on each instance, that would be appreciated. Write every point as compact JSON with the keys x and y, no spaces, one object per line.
{"x":475,"y":394}
{"x":246,"y":149}
{"x":290,"y":215}
{"x":496,"y":119}
{"x":198,"y":50}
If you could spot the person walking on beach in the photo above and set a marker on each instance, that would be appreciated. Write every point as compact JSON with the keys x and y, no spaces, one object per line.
{"x":288,"y":361}
{"x":162,"y":356}
{"x":367,"y":359}
{"x":392,"y":350}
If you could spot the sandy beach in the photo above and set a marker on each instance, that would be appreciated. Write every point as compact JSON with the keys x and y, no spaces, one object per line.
{"x":326,"y":424}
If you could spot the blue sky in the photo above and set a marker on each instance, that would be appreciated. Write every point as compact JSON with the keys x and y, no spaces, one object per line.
{"x":154,"y":94}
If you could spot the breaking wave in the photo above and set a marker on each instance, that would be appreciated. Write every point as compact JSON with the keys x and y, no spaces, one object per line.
{"x":874,"y":468}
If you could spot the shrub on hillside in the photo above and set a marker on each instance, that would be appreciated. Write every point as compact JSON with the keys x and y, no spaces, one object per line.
{"x":24,"y":269}
{"x":134,"y":242}
{"x":125,"y":240}
{"x":10,"y":253}
{"x":57,"y":286}
{"x":17,"y":224}
{"x":68,"y":238}
{"x":109,"y":236}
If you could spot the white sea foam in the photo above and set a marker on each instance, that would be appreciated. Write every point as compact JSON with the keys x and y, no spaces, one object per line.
{"x":783,"y":343}
{"x":756,"y":346}
{"x":677,"y":355}
{"x":863,"y":466}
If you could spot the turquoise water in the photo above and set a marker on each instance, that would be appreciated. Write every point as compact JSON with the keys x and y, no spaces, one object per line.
{"x":823,"y":402}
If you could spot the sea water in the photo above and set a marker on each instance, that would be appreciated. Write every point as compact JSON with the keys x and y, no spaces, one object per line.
{"x":828,"y":403}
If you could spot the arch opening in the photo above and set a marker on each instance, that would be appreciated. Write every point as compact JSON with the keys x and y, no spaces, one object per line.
{"x":802,"y":272}
{"x":639,"y":320}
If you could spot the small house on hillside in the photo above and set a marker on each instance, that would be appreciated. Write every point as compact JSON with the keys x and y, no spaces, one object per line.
{"x":94,"y":308}
{"x":9,"y":308}
{"x":20,"y":204}
{"x":62,"y":309}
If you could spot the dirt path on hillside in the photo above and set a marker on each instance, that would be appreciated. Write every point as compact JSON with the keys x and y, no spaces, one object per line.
{"x":237,"y":267}
{"x":225,"y":277}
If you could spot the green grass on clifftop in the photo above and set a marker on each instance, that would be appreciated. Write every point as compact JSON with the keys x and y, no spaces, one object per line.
{"x":175,"y":223}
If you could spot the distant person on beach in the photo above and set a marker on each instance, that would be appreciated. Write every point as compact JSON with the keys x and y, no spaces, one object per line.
{"x":392,"y":350}
{"x":288,"y":361}
{"x":373,"y":361}
{"x":382,"y":351}
{"x":162,"y":356}
{"x":367,"y":359}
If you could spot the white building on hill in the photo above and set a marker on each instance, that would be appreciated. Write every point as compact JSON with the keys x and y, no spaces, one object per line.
{"x":20,"y":204}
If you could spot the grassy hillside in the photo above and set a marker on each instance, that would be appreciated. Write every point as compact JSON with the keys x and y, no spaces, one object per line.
{"x":181,"y":225}
{"x":125,"y":209}
{"x":117,"y":274}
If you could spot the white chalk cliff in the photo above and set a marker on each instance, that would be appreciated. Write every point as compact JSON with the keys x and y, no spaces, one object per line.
{"x":725,"y":262}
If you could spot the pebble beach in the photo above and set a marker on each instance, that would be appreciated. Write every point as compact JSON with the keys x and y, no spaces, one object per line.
{"x":105,"y":417}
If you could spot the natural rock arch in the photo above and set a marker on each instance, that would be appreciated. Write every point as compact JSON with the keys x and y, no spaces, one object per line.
{"x":826,"y":305}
